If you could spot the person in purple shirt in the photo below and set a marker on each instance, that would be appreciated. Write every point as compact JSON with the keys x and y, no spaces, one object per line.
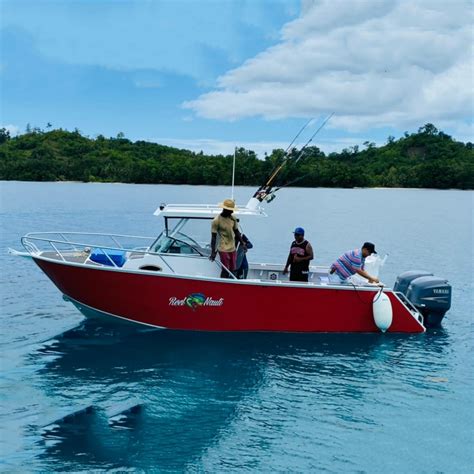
{"x":350,"y":263}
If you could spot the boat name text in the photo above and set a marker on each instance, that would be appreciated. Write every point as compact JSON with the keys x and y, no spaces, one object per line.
{"x":195,"y":300}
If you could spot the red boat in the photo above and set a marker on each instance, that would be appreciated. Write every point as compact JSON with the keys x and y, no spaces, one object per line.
{"x":170,"y":282}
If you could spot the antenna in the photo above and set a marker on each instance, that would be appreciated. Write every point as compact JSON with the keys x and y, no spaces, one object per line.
{"x":233,"y":173}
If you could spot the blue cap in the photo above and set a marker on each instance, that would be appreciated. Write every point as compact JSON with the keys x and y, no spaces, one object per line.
{"x":299,"y":230}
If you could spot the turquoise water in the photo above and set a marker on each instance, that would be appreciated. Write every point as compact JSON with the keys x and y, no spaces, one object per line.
{"x":246,"y":402}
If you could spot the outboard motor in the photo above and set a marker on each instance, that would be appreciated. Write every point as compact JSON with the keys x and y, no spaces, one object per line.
{"x":404,"y":280}
{"x":430,"y":295}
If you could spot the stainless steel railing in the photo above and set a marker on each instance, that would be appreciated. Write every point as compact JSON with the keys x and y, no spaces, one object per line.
{"x":413,"y":309}
{"x":32,"y":241}
{"x":35,"y":242}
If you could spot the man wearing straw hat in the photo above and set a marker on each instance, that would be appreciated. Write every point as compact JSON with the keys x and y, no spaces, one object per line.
{"x":225,"y":227}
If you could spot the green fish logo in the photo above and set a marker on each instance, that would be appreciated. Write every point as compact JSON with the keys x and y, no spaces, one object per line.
{"x":194,"y":300}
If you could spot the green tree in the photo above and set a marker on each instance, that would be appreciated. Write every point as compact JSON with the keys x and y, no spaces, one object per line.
{"x":427,"y":158}
{"x":4,"y":135}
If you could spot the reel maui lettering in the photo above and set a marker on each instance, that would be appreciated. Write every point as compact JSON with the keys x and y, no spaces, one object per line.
{"x":195,"y":300}
{"x":176,"y":302}
{"x":210,"y":302}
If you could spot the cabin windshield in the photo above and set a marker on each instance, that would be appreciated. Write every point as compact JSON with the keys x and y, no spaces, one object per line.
{"x":184,"y":236}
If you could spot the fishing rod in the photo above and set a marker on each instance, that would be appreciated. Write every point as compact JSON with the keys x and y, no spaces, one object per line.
{"x":279,"y":168}
{"x":265,"y":191}
{"x":293,"y":181}
{"x":312,"y":136}
{"x":298,"y":134}
{"x":300,"y":155}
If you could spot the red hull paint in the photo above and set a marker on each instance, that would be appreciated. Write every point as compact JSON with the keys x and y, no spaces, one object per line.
{"x":244,"y":306}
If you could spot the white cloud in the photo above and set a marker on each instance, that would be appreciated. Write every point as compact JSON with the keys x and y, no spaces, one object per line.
{"x":463,"y":132}
{"x":374,"y":63}
{"x":13,"y":129}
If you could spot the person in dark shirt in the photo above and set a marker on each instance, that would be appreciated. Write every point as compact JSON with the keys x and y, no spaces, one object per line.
{"x":301,"y":253}
{"x":242,"y":262}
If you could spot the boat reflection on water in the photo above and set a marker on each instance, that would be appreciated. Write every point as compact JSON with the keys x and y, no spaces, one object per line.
{"x":192,"y":387}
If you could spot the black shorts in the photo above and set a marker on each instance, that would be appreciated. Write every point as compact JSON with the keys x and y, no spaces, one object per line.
{"x":299,"y":276}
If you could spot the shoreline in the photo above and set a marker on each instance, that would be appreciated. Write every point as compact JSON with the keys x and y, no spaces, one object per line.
{"x":228,"y":185}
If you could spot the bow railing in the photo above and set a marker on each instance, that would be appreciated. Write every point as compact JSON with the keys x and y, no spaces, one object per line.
{"x":77,"y":246}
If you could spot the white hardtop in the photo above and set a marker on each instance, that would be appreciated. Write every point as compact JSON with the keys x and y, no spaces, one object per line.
{"x":203,"y":211}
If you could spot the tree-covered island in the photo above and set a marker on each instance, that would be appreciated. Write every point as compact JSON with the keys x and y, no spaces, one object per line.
{"x":428,"y":158}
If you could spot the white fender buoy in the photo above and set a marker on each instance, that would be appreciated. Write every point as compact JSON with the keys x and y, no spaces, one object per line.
{"x":383,"y":313}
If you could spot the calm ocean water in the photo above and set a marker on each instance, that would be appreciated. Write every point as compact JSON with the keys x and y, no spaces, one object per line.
{"x":245,"y":402}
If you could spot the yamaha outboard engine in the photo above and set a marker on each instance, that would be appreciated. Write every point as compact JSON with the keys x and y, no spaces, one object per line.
{"x":430,"y":295}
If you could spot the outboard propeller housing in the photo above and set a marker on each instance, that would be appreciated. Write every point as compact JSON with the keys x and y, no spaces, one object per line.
{"x":430,"y":295}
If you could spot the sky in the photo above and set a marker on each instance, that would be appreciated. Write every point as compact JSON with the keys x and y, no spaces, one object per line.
{"x":214,"y":74}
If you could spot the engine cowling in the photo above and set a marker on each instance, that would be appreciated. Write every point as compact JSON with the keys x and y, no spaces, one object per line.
{"x":405,"y":278}
{"x":431,"y":296}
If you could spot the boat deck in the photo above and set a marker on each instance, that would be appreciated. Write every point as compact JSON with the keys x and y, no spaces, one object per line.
{"x":196,"y":266}
{"x":171,"y":256}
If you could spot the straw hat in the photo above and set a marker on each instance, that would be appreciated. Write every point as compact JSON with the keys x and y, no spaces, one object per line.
{"x":228,"y":204}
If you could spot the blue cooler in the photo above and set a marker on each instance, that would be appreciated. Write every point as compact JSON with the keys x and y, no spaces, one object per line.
{"x":117,"y":256}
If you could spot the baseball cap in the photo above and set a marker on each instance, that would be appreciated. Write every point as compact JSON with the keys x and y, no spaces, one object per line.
{"x":369,"y":246}
{"x":299,"y":231}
